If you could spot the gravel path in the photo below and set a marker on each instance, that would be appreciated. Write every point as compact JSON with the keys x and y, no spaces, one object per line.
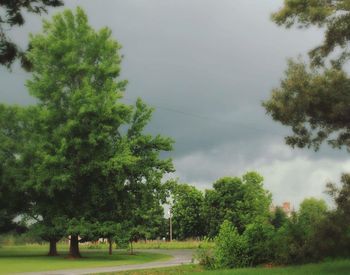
{"x":180,"y":256}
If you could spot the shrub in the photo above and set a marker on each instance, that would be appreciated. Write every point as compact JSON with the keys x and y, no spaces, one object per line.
{"x":259,"y":238}
{"x":230,"y":248}
{"x":204,"y":254}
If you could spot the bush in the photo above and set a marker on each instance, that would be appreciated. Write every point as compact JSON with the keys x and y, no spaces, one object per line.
{"x":231,"y":249}
{"x":259,"y":238}
{"x":204,"y":254}
{"x":205,"y":257}
{"x":13,"y":238}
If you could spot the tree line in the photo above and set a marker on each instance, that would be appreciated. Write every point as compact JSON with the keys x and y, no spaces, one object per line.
{"x":196,"y":214}
{"x":311,"y":234}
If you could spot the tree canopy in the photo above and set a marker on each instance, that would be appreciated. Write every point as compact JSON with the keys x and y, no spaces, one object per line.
{"x":12,"y":193}
{"x":87,"y":158}
{"x":187,"y":211}
{"x":12,"y":16}
{"x":333,"y":15}
{"x":314,"y":98}
{"x":241,"y":201}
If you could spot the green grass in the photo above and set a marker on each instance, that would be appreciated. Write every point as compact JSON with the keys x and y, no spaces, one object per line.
{"x":28,"y":258}
{"x":341,"y":267}
{"x":182,"y":269}
{"x":189,"y":244}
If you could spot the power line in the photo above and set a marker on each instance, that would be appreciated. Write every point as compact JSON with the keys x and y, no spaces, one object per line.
{"x":190,"y":114}
{"x":199,"y":116}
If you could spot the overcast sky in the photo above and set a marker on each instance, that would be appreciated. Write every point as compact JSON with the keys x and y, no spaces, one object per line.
{"x":206,"y":66}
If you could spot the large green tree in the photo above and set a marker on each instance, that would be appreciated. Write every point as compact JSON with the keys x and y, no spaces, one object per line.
{"x":145,"y":177}
{"x":11,"y":15}
{"x":311,"y":212}
{"x":241,"y":201}
{"x":91,"y":157}
{"x":314,"y":98}
{"x":295,"y":241}
{"x":187,"y":211}
{"x":137,"y":204}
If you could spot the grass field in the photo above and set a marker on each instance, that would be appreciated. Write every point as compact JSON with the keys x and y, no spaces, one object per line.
{"x":189,"y":244}
{"x":341,"y":267}
{"x":15,"y":259}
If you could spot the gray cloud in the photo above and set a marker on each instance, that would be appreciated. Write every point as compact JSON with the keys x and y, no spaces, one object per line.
{"x":206,"y":66}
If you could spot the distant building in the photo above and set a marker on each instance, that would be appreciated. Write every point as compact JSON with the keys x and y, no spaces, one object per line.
{"x":286,"y":207}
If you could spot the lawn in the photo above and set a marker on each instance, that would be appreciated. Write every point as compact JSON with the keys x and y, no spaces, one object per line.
{"x":27,"y":258}
{"x":341,"y":267}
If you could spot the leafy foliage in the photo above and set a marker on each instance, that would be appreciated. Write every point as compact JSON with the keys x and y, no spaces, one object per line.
{"x":278,"y":217}
{"x":241,"y":201}
{"x":315,"y":104}
{"x":313,"y":99}
{"x":298,"y":239}
{"x":13,"y":199}
{"x":333,"y":15}
{"x":12,"y":16}
{"x":187,"y":216}
{"x":260,"y":247}
{"x":332,"y":238}
{"x":230,"y":247}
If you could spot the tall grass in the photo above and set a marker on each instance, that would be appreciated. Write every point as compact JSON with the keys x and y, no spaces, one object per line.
{"x":189,"y":244}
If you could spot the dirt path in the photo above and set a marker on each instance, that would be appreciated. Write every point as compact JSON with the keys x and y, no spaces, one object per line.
{"x":180,"y":256}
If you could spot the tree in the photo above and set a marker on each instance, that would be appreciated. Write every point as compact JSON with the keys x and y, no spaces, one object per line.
{"x":137,"y":204}
{"x":13,"y":198}
{"x":312,"y":211}
{"x":81,"y":230}
{"x":187,"y":206}
{"x":315,"y":104}
{"x":241,"y":201}
{"x":341,"y":196}
{"x":50,"y":222}
{"x":289,"y":242}
{"x":279,"y":217}
{"x":12,"y":16}
{"x":295,"y":240}
{"x":332,"y":236}
{"x":332,"y":15}
{"x":145,"y":177}
{"x":230,"y":248}
{"x":110,"y":231}
{"x":313,"y":99}
{"x":90,"y":153}
{"x":73,"y":79}
{"x":259,"y":238}
{"x":50,"y":229}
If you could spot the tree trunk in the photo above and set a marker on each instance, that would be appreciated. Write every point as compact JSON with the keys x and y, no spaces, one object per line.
{"x":110,"y":246}
{"x":53,"y":248}
{"x":74,"y":247}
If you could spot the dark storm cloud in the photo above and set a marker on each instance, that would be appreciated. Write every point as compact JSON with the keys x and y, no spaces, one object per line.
{"x":206,"y":66}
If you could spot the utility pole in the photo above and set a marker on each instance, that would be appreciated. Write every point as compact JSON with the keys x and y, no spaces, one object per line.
{"x":170,"y":226}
